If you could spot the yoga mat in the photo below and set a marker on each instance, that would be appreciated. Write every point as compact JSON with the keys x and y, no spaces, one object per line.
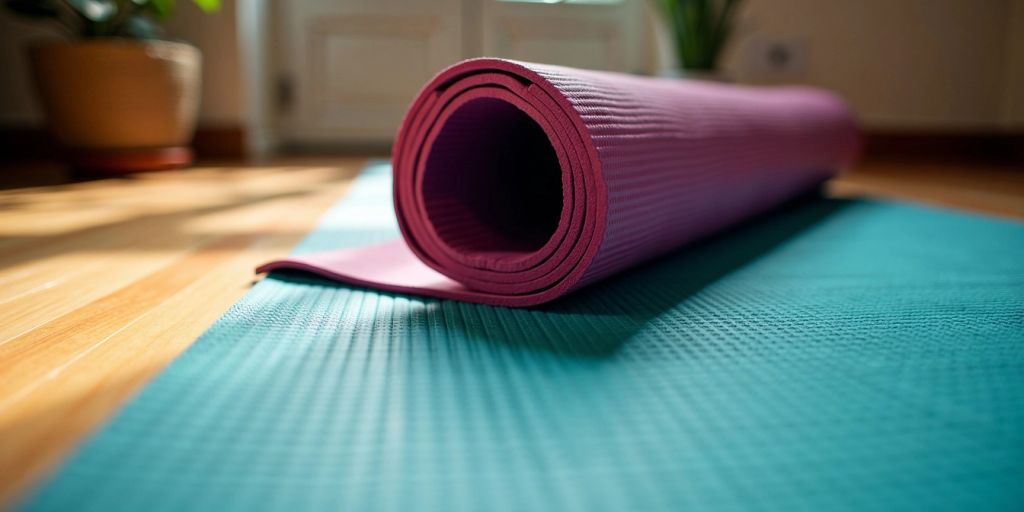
{"x":516,"y":183}
{"x":833,"y":355}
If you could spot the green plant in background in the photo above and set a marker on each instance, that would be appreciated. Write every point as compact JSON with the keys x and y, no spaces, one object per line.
{"x":700,"y":29}
{"x":104,"y":18}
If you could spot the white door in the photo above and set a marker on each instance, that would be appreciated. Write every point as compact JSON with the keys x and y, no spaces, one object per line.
{"x":351,"y":67}
{"x":591,"y":34}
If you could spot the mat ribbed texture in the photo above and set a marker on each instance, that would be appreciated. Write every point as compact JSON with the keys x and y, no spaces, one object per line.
{"x":835,"y":355}
{"x":516,"y":183}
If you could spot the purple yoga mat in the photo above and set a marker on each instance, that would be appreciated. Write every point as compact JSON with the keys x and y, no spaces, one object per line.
{"x":516,"y":183}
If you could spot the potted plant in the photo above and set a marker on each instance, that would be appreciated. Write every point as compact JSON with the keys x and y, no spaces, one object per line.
{"x":117,"y":97}
{"x":700,"y":30}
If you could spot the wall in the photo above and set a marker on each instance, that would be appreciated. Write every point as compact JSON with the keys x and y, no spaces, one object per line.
{"x":224,"y":92}
{"x":1013,"y":79}
{"x":17,"y":103}
{"x":903,"y":64}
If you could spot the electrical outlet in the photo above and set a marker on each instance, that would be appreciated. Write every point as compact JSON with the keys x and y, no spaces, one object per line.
{"x":777,"y":57}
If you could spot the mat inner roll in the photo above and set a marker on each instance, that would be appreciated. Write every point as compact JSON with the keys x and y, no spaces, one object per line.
{"x":516,"y":183}
{"x":510,"y":203}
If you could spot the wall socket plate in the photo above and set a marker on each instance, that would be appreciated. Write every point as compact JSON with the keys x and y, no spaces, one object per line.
{"x":776,"y":57}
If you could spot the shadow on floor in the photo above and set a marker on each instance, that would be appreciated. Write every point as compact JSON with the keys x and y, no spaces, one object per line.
{"x":147,"y":231}
{"x":595,"y":321}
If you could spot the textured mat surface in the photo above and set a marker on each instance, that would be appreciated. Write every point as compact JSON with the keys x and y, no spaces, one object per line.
{"x":834,"y":355}
{"x":516,"y":183}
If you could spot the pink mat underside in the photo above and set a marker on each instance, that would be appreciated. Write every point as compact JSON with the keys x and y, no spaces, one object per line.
{"x":516,"y":183}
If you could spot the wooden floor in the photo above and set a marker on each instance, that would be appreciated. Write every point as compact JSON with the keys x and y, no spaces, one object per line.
{"x":103,"y":282}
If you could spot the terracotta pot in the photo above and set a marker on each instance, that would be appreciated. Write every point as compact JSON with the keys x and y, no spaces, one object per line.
{"x":118,"y":104}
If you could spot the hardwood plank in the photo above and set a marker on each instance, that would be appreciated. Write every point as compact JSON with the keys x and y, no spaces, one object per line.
{"x":991,"y":189}
{"x":76,"y":355}
{"x":41,"y":275}
{"x":114,"y":358}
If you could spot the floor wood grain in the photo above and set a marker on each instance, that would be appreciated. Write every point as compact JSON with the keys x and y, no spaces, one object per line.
{"x":104,"y":282}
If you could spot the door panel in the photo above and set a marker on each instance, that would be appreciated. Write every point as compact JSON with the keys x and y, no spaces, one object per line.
{"x":353,"y":66}
{"x":594,"y":35}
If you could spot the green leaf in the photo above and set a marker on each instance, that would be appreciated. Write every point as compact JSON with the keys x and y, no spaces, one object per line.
{"x":161,"y":8}
{"x":208,"y":5}
{"x":724,"y":30}
{"x":33,"y":8}
{"x":701,"y":29}
{"x":96,"y":11}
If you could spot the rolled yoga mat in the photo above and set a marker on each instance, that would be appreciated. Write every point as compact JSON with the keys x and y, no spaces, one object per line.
{"x":516,"y":183}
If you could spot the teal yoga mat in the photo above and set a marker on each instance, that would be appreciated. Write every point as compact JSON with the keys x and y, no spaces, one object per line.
{"x":833,"y":355}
